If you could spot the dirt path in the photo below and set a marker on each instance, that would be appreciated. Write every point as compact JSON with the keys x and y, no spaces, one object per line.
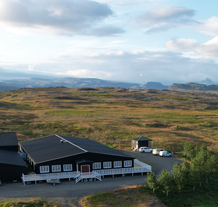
{"x":213,"y":143}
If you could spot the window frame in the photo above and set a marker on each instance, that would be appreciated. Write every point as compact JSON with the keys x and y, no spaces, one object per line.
{"x":96,"y":165}
{"x":44,"y":169}
{"x":107,"y":164}
{"x":67,"y":167}
{"x":126,"y":163}
{"x":117,"y":164}
{"x":56,"y":168}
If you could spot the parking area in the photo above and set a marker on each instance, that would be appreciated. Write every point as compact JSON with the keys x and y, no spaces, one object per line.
{"x":158,"y":163}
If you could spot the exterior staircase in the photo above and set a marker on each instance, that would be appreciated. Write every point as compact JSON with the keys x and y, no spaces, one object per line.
{"x":88,"y":175}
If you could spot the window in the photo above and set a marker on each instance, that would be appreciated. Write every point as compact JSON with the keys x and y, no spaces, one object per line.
{"x":44,"y":169}
{"x":68,"y":167}
{"x":56,"y":168}
{"x":117,"y":164}
{"x":96,"y":165}
{"x":128,"y":163}
{"x":107,"y":164}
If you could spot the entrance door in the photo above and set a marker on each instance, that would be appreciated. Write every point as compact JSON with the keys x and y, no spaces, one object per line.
{"x":85,"y":168}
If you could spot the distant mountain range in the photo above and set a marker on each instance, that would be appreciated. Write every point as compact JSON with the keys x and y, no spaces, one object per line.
{"x":77,"y":83}
{"x":207,"y":81}
{"x":8,"y":85}
{"x":7,"y":88}
{"x":193,"y":87}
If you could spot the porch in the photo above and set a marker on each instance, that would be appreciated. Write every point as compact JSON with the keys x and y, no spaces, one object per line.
{"x":95,"y":174}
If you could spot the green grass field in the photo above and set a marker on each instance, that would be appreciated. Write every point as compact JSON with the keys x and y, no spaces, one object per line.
{"x":109,"y":116}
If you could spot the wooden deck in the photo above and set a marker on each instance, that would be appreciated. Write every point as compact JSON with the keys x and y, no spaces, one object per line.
{"x":95,"y":174}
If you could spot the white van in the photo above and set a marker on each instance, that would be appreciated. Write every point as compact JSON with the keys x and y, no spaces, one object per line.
{"x":165,"y":154}
{"x":157,"y":151}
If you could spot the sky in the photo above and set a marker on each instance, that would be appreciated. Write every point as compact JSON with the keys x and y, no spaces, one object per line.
{"x":138,"y":41}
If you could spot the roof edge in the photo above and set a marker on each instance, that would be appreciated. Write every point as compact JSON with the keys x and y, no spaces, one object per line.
{"x":71,"y":143}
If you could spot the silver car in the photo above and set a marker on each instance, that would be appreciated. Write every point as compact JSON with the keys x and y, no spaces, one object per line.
{"x":145,"y":149}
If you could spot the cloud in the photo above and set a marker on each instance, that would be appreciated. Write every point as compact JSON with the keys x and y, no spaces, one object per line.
{"x":162,"y":19}
{"x":84,"y":73}
{"x":19,"y":73}
{"x":209,"y":27}
{"x":208,"y":49}
{"x":66,"y":17}
{"x":128,"y":66}
{"x":131,"y":66}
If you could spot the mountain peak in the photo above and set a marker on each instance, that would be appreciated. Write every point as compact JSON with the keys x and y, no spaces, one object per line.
{"x":206,"y":81}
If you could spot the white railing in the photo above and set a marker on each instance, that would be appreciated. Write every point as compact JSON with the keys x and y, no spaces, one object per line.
{"x":122,"y":171}
{"x":48,"y":176}
{"x":136,"y":161}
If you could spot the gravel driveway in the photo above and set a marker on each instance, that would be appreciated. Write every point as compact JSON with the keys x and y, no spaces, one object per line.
{"x":68,"y":193}
{"x":158,"y":163}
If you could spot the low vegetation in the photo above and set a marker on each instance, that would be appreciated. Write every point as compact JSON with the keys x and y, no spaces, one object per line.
{"x":128,"y":197}
{"x":31,"y":203}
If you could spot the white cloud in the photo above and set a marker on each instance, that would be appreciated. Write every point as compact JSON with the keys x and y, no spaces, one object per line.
{"x":84,"y":73}
{"x":208,"y":49}
{"x":209,"y":27}
{"x":66,"y":17}
{"x":164,"y":18}
{"x":140,"y":67}
{"x":124,"y":2}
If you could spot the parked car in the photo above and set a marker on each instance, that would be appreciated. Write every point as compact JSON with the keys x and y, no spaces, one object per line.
{"x":165,"y":154}
{"x":157,"y":151}
{"x":145,"y":149}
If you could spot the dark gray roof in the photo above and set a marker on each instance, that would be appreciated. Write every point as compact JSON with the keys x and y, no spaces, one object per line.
{"x":141,"y":138}
{"x":8,"y":139}
{"x":11,"y":158}
{"x":56,"y":146}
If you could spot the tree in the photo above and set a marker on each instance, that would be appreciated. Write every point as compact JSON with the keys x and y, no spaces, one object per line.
{"x":178,"y":175}
{"x":201,"y":162}
{"x":165,"y":181}
{"x":211,"y":166}
{"x":195,"y":171}
{"x":186,"y":171}
{"x":190,"y":150}
{"x":152,"y":181}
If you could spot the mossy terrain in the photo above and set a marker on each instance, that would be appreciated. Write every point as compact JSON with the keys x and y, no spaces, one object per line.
{"x":128,"y":197}
{"x":112,"y":116}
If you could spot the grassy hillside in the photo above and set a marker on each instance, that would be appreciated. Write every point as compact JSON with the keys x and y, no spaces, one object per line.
{"x":112,"y":116}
